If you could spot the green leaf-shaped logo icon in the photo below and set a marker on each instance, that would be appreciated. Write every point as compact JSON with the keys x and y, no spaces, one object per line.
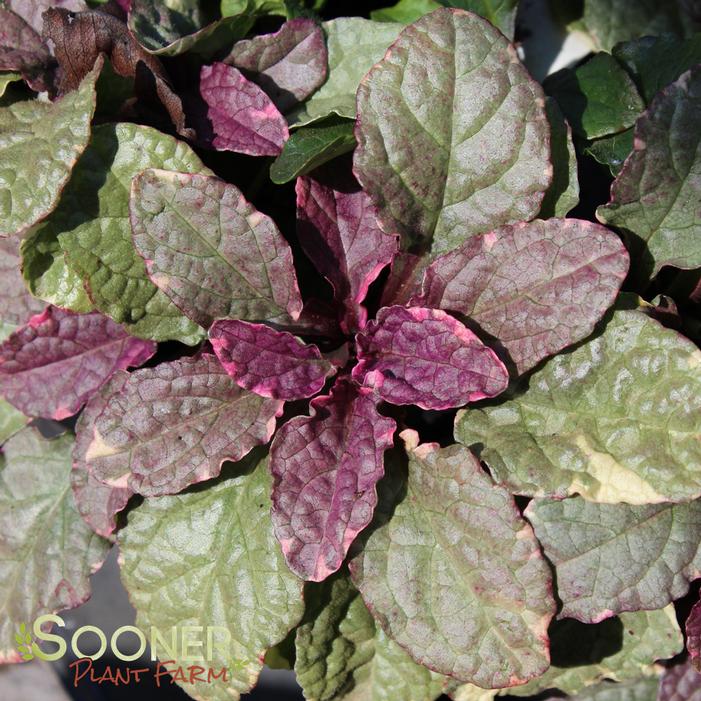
{"x":24,"y":643}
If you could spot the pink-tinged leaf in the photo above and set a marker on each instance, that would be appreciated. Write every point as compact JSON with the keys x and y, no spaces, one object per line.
{"x":174,"y":425}
{"x":22,"y":50}
{"x":325,"y":467}
{"x":680,"y":683}
{"x":426,"y":357}
{"x":243,"y":117}
{"x":537,"y":287}
{"x":211,"y":251}
{"x":337,"y":228}
{"x":98,"y":503}
{"x":51,"y":366}
{"x":16,"y":303}
{"x":693,"y":635}
{"x":31,"y":11}
{"x":404,"y":280}
{"x":271,"y":363}
{"x":289,"y":65}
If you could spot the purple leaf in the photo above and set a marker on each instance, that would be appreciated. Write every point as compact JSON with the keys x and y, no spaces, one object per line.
{"x":51,"y":366}
{"x":268,"y":362}
{"x":174,"y":425}
{"x":537,"y":287}
{"x":211,"y":251}
{"x":426,"y":357}
{"x":325,"y":467}
{"x":22,"y":50}
{"x":338,"y":230}
{"x":31,"y":11}
{"x":16,"y":303}
{"x":289,"y":65}
{"x":98,"y":503}
{"x":693,"y":635}
{"x":680,"y":683}
{"x":404,"y":280}
{"x":243,"y":118}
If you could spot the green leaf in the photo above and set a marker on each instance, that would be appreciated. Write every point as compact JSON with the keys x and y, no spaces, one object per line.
{"x":453,"y":139}
{"x":612,"y":151}
{"x":598,"y":98}
{"x":655,"y":197}
{"x":644,"y":689}
{"x":563,"y":194}
{"x":40,"y":143}
{"x":454,"y":574}
{"x":596,"y":550}
{"x":311,"y":147}
{"x":620,"y":649}
{"x":92,"y":226}
{"x":616,"y":419}
{"x":343,"y":654}
{"x":262,"y":7}
{"x":209,"y":558}
{"x":605,"y":23}
{"x":6,"y":79}
{"x":405,"y":11}
{"x":501,"y":13}
{"x":11,"y":420}
{"x":655,"y":62}
{"x":354,"y":46}
{"x":48,"y":551}
{"x":47,"y":274}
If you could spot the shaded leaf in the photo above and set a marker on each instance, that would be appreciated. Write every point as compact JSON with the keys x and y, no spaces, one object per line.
{"x":619,"y":649}
{"x":655,"y":196}
{"x":174,"y":27}
{"x":311,"y":147}
{"x":40,"y":143}
{"x":598,"y":98}
{"x":563,"y":194}
{"x":501,"y":13}
{"x":680,"y":683}
{"x":354,"y":46}
{"x":616,"y":419}
{"x":343,"y":654}
{"x":288,"y":65}
{"x":22,"y":50}
{"x":48,"y":553}
{"x":210,"y":251}
{"x":11,"y":420}
{"x":174,"y":425}
{"x":16,"y":304}
{"x":325,"y":467}
{"x":7,"y":79}
{"x":92,"y":226}
{"x":537,"y":287}
{"x":583,"y":540}
{"x":605,"y":23}
{"x":426,"y":357}
{"x":268,"y":362}
{"x":221,"y":535}
{"x":405,"y":11}
{"x":47,"y":274}
{"x":655,"y":62}
{"x":455,"y":575}
{"x":97,"y":502}
{"x":337,"y":228}
{"x":612,"y":151}
{"x":243,"y":117}
{"x":436,"y":175}
{"x":51,"y":366}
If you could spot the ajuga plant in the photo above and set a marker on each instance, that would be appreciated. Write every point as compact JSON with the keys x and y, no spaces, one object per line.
{"x":364,"y":345}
